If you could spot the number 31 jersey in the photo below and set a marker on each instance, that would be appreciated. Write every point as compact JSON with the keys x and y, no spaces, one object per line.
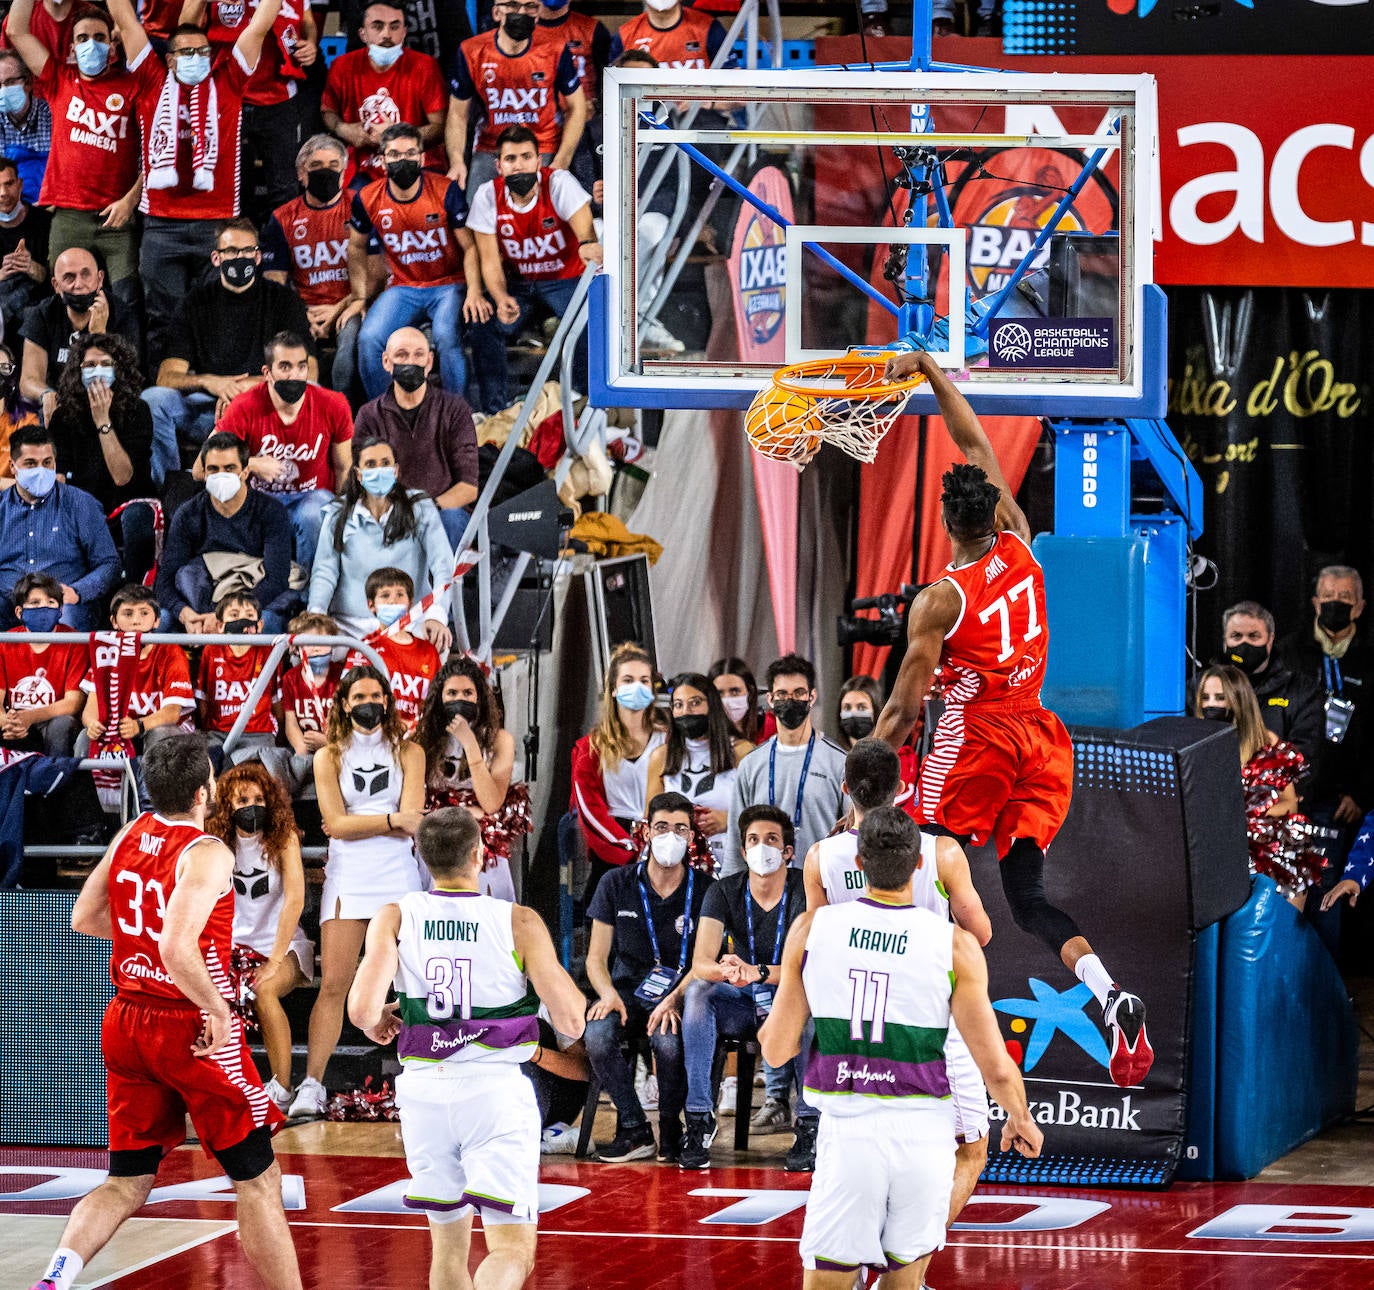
{"x":462,"y":989}
{"x":996,"y":650}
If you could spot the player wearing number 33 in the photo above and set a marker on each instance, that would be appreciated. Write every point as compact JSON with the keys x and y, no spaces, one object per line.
{"x":470,"y":971}
{"x":884,"y":979}
{"x":1000,"y":769}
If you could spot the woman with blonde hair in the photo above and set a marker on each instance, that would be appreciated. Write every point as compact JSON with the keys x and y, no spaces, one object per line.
{"x":610,"y":765}
{"x":253,"y":818}
{"x":371,"y":786}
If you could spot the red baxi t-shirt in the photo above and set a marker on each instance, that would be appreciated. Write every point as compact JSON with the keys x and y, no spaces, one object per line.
{"x":223,"y":686}
{"x":310,"y":245}
{"x":409,"y":90}
{"x":33,"y":677}
{"x":303,"y":446}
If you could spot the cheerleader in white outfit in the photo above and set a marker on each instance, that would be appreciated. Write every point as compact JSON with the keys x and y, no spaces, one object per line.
{"x":253,"y":818}
{"x":371,"y":788}
{"x":469,"y":760}
{"x":700,"y":758}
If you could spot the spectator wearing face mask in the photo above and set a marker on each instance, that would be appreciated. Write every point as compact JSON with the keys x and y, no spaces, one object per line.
{"x":739,"y":696}
{"x":190,"y":116}
{"x":299,"y":438}
{"x":25,"y":125}
{"x":673,"y":34}
{"x":47,"y":526}
{"x":40,"y":685}
{"x":226,"y":678}
{"x":13,"y":412}
{"x":861,"y":699}
{"x":436,"y":30}
{"x":23,"y":244}
{"x":307,"y":692}
{"x":1290,"y":704}
{"x":215,"y":351}
{"x":798,"y":770}
{"x":228,"y":537}
{"x":411,"y":661}
{"x":305,"y":247}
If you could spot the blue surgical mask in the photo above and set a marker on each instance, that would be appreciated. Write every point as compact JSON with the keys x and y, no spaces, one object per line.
{"x":92,"y":57}
{"x":90,"y":375}
{"x":41,"y":618}
{"x":318,"y":663}
{"x":38,"y":481}
{"x":379,"y":480}
{"x":384,"y":56}
{"x":13,"y":99}
{"x":8,"y":217}
{"x":634,"y":698}
{"x":193,"y":68}
{"x":389,"y":615}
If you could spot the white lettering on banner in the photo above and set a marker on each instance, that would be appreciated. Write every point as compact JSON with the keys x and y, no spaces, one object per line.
{"x":272,"y":446}
{"x":112,"y":125}
{"x":1043,"y":1214}
{"x":523,"y":250}
{"x":1070,"y":1110}
{"x":1089,"y":471}
{"x":763,"y":267}
{"x":432,"y":239}
{"x":517,"y":98}
{"x":320,"y":255}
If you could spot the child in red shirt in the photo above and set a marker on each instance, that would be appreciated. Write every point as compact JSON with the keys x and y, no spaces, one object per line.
{"x":411,"y":661}
{"x":307,"y":694}
{"x":40,"y":685}
{"x":226,"y":678}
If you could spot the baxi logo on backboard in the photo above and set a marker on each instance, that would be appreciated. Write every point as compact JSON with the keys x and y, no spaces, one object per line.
{"x":758,"y":277}
{"x":1052,"y":342}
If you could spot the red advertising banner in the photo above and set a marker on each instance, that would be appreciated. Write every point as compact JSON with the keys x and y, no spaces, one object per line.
{"x":757,"y":274}
{"x":1266,"y":164}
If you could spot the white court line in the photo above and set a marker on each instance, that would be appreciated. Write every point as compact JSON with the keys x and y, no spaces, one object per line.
{"x":157,"y":1258}
{"x":1043,"y":1248}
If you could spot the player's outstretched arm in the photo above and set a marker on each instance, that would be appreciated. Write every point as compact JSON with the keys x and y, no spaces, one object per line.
{"x":933,"y":614}
{"x":206,"y":870}
{"x":973,"y":1014}
{"x":555,"y":988}
{"x":367,"y":1006}
{"x":811,"y":879}
{"x":780,"y":1035}
{"x":964,"y":901}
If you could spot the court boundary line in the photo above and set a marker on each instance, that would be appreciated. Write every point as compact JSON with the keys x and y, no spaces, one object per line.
{"x":159,"y":1258}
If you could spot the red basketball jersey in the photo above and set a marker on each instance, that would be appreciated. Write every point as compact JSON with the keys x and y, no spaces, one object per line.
{"x":996,"y":650}
{"x":538,"y":241}
{"x":143,"y":875}
{"x":581,"y":30}
{"x":519,"y":90}
{"x":310,"y":245}
{"x":685,"y":44}
{"x":416,"y":236}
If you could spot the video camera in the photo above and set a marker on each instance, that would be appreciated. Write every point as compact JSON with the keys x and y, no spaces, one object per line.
{"x":888,"y":628}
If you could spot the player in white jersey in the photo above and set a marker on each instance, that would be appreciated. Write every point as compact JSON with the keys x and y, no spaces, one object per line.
{"x":470,"y":972}
{"x":883,"y":979}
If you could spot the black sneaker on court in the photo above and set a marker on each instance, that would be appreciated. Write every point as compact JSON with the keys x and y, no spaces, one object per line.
{"x":1131,"y":1054}
{"x":669,"y":1141}
{"x":696,"y":1142}
{"x":636,"y":1143}
{"x":801,"y":1156}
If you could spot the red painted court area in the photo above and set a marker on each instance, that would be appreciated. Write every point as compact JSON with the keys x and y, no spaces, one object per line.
{"x":614,"y":1227}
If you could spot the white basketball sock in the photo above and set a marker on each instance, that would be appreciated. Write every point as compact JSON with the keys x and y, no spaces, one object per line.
{"x":64,"y":1269}
{"x":1090,"y":971}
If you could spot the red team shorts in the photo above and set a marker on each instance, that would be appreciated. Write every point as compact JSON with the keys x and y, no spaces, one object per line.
{"x":998,"y":771}
{"x":153,"y":1082}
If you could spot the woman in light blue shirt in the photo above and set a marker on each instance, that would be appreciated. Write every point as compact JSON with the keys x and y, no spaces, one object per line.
{"x":378,"y":522}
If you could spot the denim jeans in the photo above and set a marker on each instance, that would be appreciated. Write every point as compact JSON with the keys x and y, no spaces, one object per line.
{"x":173,"y":257}
{"x":197,"y":589}
{"x":343,"y":374}
{"x":556,"y":295}
{"x":304,"y":510}
{"x":711,"y":1009}
{"x":177,"y":415}
{"x":616,"y":1073}
{"x":455,"y":520}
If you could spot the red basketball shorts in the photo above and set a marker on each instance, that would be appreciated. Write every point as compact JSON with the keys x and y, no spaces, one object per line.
{"x":996,"y":772}
{"x":153,"y":1082}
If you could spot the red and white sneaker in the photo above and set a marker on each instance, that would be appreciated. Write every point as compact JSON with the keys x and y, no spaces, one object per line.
{"x":1131,"y":1054}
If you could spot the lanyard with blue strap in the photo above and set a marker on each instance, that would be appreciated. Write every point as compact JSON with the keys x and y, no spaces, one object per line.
{"x":763,"y":994}
{"x":1334,"y":681}
{"x":662,"y":980}
{"x":1339,"y":709}
{"x":801,"y":783}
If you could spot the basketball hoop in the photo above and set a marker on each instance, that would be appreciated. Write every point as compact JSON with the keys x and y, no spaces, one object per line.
{"x":844,"y":401}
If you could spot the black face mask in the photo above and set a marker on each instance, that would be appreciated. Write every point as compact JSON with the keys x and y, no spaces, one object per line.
{"x":857,"y":725}
{"x":239,"y":627}
{"x":290,"y":391}
{"x":250,"y":819}
{"x":238,"y":273}
{"x":792,"y":713}
{"x":464,"y":708}
{"x":522,"y":185}
{"x":323,"y":185}
{"x":409,"y":376}
{"x":1215,"y":712}
{"x":403,"y":173}
{"x":1249,"y":658}
{"x":79,"y":302}
{"x":367,"y":716}
{"x":693,"y":725}
{"x":1333,"y":616}
{"x":518,"y":26}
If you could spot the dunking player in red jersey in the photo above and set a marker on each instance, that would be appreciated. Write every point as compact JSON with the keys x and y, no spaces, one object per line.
{"x":164,"y":895}
{"x":1001,"y":766}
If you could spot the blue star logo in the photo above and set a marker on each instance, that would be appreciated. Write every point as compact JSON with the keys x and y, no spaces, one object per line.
{"x":1051,"y":1013}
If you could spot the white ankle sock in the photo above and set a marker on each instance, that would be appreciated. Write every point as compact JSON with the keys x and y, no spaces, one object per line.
{"x":64,"y":1269}
{"x":1090,"y":971}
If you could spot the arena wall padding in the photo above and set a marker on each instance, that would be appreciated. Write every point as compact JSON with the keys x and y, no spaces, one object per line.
{"x":1287,"y":1039}
{"x":1200,"y":1139}
{"x":56,"y":986}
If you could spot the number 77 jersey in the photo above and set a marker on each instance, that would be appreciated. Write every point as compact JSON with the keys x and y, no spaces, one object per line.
{"x":996,"y":650}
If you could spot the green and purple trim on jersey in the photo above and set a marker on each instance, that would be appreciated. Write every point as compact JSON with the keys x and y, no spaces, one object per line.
{"x":422,"y":1039}
{"x":908,"y":1062}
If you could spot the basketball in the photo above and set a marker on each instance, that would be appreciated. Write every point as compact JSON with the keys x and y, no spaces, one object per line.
{"x":783,"y":425}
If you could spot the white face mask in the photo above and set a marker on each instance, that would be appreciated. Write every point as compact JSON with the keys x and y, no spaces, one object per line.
{"x":763,"y":859}
{"x":668,"y":849}
{"x":661,"y":6}
{"x":735,"y":705}
{"x":223,"y":486}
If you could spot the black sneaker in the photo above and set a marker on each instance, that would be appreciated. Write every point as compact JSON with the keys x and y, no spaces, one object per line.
{"x":636,"y":1143}
{"x":669,"y":1141}
{"x":696,"y":1142}
{"x":801,"y":1157}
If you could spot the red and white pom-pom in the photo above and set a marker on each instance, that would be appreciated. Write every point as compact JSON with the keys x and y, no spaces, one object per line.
{"x":363,"y":1105}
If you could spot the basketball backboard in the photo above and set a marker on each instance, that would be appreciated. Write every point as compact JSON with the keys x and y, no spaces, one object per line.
{"x":996,"y":168}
